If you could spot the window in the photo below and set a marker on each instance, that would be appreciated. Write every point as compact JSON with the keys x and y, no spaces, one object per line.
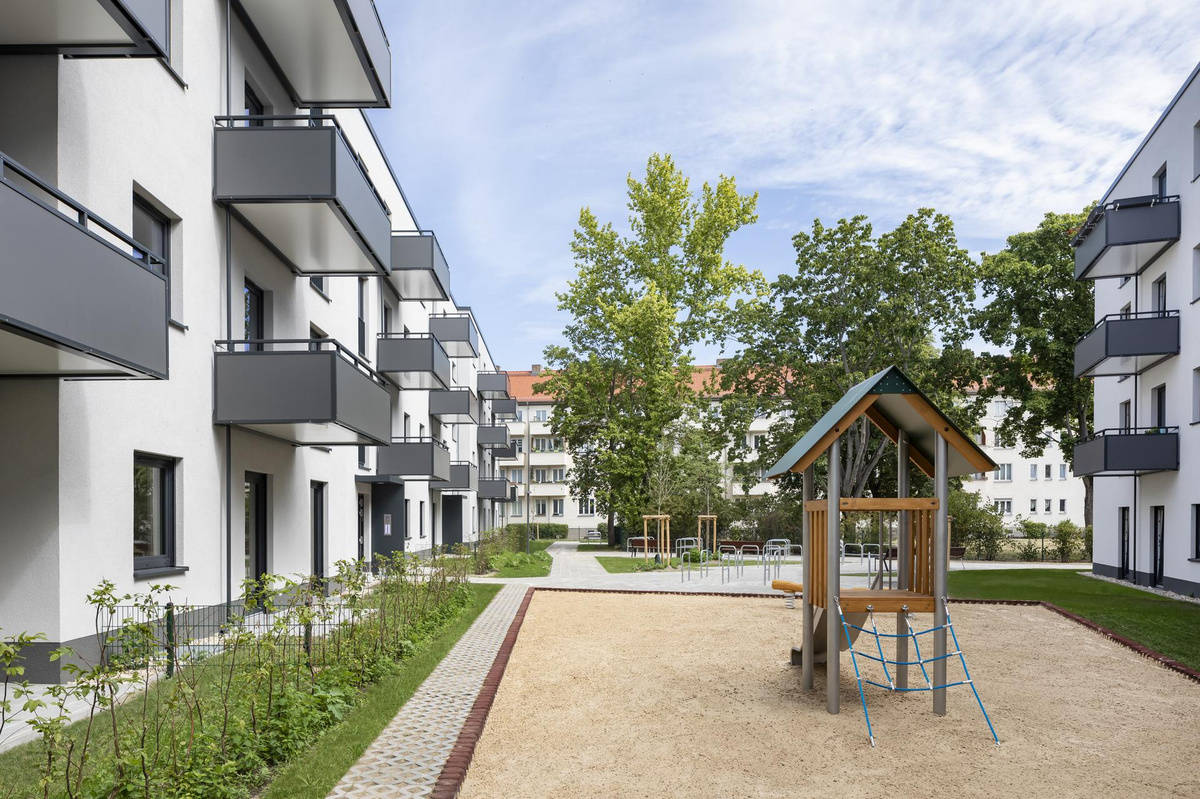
{"x":557,"y":506}
{"x":1196,"y":273}
{"x":1196,"y":531}
{"x":1004,"y":472}
{"x":318,"y":529}
{"x":1158,"y":295}
{"x":516,"y":475}
{"x":1062,"y":506}
{"x":518,"y":446}
{"x":1062,"y":471}
{"x":587,"y":506}
{"x":1049,"y":467}
{"x":1033,"y":506}
{"x":981,"y":439}
{"x":421,"y":518}
{"x":387,"y":319}
{"x":407,"y":516}
{"x":1046,"y":506}
{"x":318,"y":283}
{"x":539,"y":507}
{"x":757,"y":441}
{"x":1125,"y":416}
{"x":1158,"y":406}
{"x":1196,"y":395}
{"x":547,"y":444}
{"x":540,"y":415}
{"x":153,"y":512}
{"x":515,"y":508}
{"x":362,"y":316}
{"x":1033,"y":471}
{"x":253,"y":107}
{"x":362,"y":457}
{"x":1160,"y":181}
{"x":1196,"y":151}
{"x":520,"y":414}
{"x":253,"y":327}
{"x":407,"y":426}
{"x":1127,"y":310}
{"x":1004,"y":506}
{"x":559,"y":476}
{"x":152,"y":230}
{"x":539,"y":475}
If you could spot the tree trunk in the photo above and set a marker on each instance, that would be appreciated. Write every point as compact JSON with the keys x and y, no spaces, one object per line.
{"x":1087,"y":500}
{"x":612,"y":529}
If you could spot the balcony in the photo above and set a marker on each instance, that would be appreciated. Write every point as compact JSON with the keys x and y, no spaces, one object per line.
{"x":454,"y":405}
{"x":413,"y":360}
{"x":1127,"y":344}
{"x":419,"y":270}
{"x":492,"y":385}
{"x":310,"y":392}
{"x":509,"y":452}
{"x":504,"y":408}
{"x":494,"y":489}
{"x":1128,"y":451}
{"x":80,"y":28}
{"x":493,"y":437}
{"x":457,"y":332}
{"x":75,"y":301}
{"x":464,"y":476}
{"x":329,"y":53}
{"x":1123,"y":237}
{"x":296,"y":182}
{"x":414,"y":458}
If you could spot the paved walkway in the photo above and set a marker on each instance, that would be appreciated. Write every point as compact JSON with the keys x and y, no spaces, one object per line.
{"x":405,"y":760}
{"x":574,"y":569}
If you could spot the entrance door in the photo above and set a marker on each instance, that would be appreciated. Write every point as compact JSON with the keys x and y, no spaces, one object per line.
{"x":1158,"y":528}
{"x":255,"y":543}
{"x":318,"y":531}
{"x":1123,"y":526}
{"x":362,"y":528}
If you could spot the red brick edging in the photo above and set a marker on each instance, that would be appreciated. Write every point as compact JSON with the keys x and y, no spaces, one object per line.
{"x":454,"y":771}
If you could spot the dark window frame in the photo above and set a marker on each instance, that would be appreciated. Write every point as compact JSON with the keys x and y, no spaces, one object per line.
{"x":253,"y":105}
{"x":317,"y":526}
{"x":166,"y":512}
{"x":251,"y":291}
{"x":156,"y":216}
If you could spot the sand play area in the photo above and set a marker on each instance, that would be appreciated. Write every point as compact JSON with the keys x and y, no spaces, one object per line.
{"x":618,"y":695}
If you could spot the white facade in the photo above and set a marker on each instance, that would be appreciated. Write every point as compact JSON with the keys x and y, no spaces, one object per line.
{"x":1041,"y":489}
{"x":1146,"y":525}
{"x":105,"y":131}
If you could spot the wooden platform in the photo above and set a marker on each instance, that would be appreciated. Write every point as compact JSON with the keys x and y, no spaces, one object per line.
{"x":857,"y":600}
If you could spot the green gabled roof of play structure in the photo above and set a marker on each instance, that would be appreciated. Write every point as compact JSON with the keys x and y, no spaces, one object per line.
{"x":889,"y":381}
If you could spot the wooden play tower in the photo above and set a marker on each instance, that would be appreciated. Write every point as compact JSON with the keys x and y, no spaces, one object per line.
{"x":924,"y":436}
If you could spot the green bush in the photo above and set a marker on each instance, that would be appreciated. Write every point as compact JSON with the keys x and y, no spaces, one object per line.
{"x":1087,"y":542}
{"x":1065,"y":538}
{"x":975,"y":525}
{"x":1028,"y":551}
{"x":537,"y":530}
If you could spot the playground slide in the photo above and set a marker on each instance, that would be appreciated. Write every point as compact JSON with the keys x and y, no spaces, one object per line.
{"x":820,"y":620}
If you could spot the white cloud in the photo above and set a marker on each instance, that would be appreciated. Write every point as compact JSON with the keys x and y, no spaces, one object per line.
{"x":508,"y":118}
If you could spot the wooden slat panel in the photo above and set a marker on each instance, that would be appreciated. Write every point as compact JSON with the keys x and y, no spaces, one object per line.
{"x":888,"y":503}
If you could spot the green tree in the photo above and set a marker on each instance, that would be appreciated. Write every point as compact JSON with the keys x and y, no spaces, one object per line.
{"x":1037,"y":311}
{"x":638,"y":306}
{"x":856,"y":304}
{"x":976,"y":524}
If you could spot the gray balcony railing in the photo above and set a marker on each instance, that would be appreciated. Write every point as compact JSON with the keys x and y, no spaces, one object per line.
{"x":305,"y":391}
{"x":77,"y":296}
{"x":457,"y":332}
{"x":1123,"y":237}
{"x":329,"y":53}
{"x":414,"y":458}
{"x":419,"y":270}
{"x":297,"y":183}
{"x":413,"y":360}
{"x":464,"y":476}
{"x":454,"y":405}
{"x":82,"y":28}
{"x":494,"y":488}
{"x":1128,"y":451}
{"x":1127,"y":344}
{"x":504,"y":408}
{"x":492,"y":436}
{"x":492,"y":385}
{"x":509,"y":452}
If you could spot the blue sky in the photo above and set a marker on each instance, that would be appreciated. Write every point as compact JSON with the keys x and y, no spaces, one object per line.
{"x":507,"y":118}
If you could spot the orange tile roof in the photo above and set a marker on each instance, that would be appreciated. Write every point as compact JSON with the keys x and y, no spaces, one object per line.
{"x":521,"y":383}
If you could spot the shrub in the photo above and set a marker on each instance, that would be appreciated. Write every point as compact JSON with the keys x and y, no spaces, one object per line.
{"x":1087,"y":542}
{"x":537,"y":530}
{"x":1065,"y":538}
{"x":1028,"y":551}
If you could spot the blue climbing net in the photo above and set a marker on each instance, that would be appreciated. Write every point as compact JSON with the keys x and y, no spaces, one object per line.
{"x":913,"y":635}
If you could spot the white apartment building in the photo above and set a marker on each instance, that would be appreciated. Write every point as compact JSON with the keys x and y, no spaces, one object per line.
{"x":1141,"y":246}
{"x":228,"y":347}
{"x":1040,"y":489}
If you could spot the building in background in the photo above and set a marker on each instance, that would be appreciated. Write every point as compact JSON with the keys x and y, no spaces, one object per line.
{"x":1040,"y":489}
{"x":228,"y":347}
{"x":1141,"y":247}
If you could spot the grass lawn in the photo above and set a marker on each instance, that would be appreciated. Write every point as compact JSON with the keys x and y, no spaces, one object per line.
{"x":598,"y":548}
{"x":626,"y":564}
{"x":315,"y":772}
{"x":1166,"y":625}
{"x":518,"y":564}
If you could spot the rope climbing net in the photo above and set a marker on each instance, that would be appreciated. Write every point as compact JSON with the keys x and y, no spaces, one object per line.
{"x":913,"y":635}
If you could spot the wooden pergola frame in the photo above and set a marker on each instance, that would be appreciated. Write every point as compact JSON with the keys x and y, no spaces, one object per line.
{"x":663,"y":534}
{"x":711,"y":526}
